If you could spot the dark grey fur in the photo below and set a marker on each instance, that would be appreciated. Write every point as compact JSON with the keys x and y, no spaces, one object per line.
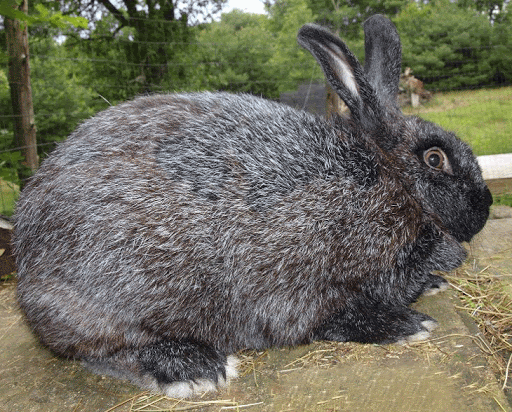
{"x":170,"y":231}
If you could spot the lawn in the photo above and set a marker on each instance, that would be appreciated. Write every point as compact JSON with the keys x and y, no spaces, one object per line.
{"x":482,"y":118}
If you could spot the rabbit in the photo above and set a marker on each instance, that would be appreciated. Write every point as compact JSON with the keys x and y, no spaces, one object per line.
{"x":171,"y":231}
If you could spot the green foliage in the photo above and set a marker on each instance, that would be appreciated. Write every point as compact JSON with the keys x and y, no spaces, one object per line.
{"x":143,"y":59}
{"x":60,"y":93}
{"x":233,"y":55}
{"x":503,"y":200}
{"x":104,"y":62}
{"x":254,"y":53}
{"x":8,"y":195}
{"x":489,"y":7}
{"x":12,"y":167}
{"x":345,"y":18}
{"x":501,"y":56}
{"x":5,"y":101}
{"x":289,"y":62}
{"x":10,"y":161}
{"x":448,"y":47}
{"x":151,"y":49}
{"x":60,"y":101}
{"x":42,"y":17}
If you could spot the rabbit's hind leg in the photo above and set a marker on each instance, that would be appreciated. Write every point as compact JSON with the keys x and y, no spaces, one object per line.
{"x":178,"y":369}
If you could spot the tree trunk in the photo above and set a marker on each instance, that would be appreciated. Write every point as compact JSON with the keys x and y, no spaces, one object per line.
{"x":21,"y":91}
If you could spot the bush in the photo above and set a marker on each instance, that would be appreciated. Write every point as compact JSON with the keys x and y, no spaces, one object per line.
{"x":61,"y":100}
{"x":447,"y":47}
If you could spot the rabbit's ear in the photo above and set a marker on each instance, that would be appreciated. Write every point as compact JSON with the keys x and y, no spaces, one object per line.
{"x":342,"y":70}
{"x":383,"y":58}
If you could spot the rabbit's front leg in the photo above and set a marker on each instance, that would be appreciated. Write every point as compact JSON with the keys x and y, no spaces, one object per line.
{"x":367,"y":321}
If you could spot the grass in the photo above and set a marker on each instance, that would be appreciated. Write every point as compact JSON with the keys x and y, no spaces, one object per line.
{"x":8,"y":196}
{"x":503,"y":200}
{"x":482,"y":118}
{"x":501,"y":190}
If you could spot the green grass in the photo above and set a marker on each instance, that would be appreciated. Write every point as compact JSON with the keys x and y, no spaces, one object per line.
{"x":8,"y":196}
{"x":503,"y":200}
{"x":482,"y":118}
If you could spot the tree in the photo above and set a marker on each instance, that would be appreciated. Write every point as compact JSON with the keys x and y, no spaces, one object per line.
{"x":19,"y":164}
{"x":290,"y":63}
{"x":233,"y":55}
{"x":149,"y":34}
{"x":346,"y":17}
{"x":501,"y":56}
{"x":21,"y":90}
{"x":42,"y":16}
{"x":489,"y":7}
{"x":62,"y":93}
{"x":447,"y":47}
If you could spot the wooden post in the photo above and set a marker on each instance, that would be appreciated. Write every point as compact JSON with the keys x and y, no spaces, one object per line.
{"x":334,"y":103}
{"x":415,"y":99}
{"x":21,"y":91}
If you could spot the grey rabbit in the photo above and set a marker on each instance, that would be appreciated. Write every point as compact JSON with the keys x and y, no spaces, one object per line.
{"x":171,"y":231}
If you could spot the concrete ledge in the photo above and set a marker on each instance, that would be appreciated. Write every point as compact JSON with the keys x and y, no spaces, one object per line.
{"x":496,"y":166}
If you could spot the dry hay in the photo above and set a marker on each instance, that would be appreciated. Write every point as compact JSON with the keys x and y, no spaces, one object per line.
{"x":486,"y":295}
{"x":147,"y":402}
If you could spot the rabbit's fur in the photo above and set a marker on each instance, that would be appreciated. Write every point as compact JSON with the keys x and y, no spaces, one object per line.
{"x":170,"y":231}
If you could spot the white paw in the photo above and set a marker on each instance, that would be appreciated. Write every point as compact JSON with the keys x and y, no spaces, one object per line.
{"x":429,"y":325}
{"x":423,"y":335}
{"x":231,"y":367}
{"x":187,"y":389}
{"x":434,"y":291}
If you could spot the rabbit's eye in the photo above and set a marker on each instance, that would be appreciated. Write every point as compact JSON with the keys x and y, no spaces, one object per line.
{"x":436,"y":159}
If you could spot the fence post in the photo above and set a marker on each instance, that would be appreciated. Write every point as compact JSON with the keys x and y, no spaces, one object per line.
{"x":21,"y":91}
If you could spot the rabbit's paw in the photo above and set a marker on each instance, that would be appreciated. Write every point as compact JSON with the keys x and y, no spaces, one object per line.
{"x":377,"y":324}
{"x":179,"y":369}
{"x":427,"y":325}
{"x":434,"y":285}
{"x":193,"y":387}
{"x":185,"y":369}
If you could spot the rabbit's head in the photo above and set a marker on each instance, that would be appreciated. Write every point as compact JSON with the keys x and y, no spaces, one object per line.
{"x":439,"y":170}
